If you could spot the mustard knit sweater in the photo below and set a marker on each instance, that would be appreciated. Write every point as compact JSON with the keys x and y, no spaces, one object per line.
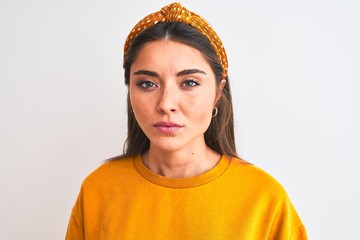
{"x":123,"y":199}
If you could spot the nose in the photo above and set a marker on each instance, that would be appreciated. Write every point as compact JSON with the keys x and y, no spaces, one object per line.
{"x":167,"y":102}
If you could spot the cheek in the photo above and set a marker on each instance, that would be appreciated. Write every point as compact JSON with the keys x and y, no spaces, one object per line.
{"x":207,"y":98}
{"x":140,"y":107}
{"x":199,"y":107}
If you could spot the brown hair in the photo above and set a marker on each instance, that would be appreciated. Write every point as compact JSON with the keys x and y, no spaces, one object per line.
{"x":174,"y":12}
{"x":220,"y":134}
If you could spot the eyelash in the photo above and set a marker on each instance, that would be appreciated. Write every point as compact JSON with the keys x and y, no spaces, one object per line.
{"x":194,"y":82}
{"x":145,"y":84}
{"x":149,"y":84}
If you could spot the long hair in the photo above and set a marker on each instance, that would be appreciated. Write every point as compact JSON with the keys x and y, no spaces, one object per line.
{"x":220,"y":133}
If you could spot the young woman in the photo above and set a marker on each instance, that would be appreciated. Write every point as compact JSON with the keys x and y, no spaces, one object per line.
{"x":179,"y":176}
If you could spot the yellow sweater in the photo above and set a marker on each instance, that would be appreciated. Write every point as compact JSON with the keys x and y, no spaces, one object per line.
{"x":123,"y":199}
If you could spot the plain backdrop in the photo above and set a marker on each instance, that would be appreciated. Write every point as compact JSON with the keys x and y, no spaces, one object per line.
{"x":294,"y":70}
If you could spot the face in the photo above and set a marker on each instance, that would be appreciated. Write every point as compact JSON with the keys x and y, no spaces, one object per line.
{"x":172,"y":92}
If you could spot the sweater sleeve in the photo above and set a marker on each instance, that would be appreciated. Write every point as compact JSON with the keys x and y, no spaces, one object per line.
{"x":299,"y":234}
{"x":287,"y":224}
{"x":75,"y":230}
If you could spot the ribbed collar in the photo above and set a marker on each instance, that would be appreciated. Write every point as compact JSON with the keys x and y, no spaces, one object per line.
{"x":181,"y":182}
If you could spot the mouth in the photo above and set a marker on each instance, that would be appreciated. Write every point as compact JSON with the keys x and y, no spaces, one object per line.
{"x":167,"y":127}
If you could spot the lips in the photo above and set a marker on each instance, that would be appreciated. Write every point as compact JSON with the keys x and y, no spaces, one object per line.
{"x":167,"y":127}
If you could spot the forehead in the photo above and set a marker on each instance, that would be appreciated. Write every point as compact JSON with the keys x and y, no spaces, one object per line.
{"x":170,"y":53}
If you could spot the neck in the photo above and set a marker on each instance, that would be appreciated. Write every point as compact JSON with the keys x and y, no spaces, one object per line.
{"x":182,"y":163}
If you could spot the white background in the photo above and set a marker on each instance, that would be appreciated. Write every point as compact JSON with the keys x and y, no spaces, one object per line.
{"x":294,"y":69}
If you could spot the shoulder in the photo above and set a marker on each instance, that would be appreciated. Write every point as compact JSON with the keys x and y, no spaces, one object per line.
{"x":110,"y":172}
{"x":255,"y":179}
{"x":262,"y":193}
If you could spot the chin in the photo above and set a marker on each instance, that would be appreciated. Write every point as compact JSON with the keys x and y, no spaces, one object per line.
{"x":166,"y":146}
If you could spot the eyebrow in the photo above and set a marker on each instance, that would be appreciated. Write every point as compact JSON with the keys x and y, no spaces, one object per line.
{"x":146,"y":72}
{"x":181,"y":73}
{"x":190,"y":71}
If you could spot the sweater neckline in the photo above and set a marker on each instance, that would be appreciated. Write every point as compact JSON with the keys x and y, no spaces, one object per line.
{"x":195,"y":181}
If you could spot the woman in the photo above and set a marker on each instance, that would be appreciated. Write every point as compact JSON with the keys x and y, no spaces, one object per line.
{"x":179,"y":176}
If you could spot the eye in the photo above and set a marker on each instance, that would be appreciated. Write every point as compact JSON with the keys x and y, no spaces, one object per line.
{"x":190,"y":83}
{"x":146,"y":84}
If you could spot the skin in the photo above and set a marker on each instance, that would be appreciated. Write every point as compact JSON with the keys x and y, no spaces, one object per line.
{"x":173,"y":92}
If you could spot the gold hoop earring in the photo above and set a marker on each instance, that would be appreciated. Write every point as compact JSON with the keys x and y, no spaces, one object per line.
{"x":216,"y":112}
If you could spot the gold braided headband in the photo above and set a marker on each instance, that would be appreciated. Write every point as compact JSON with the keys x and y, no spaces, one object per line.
{"x":177,"y":13}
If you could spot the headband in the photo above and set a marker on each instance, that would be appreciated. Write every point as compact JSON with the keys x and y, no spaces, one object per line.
{"x":177,"y":13}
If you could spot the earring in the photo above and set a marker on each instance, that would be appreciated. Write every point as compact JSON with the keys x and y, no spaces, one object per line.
{"x":216,"y":112}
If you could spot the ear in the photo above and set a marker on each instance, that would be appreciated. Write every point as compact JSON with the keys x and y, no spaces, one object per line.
{"x":221,"y":87}
{"x":222,"y":84}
